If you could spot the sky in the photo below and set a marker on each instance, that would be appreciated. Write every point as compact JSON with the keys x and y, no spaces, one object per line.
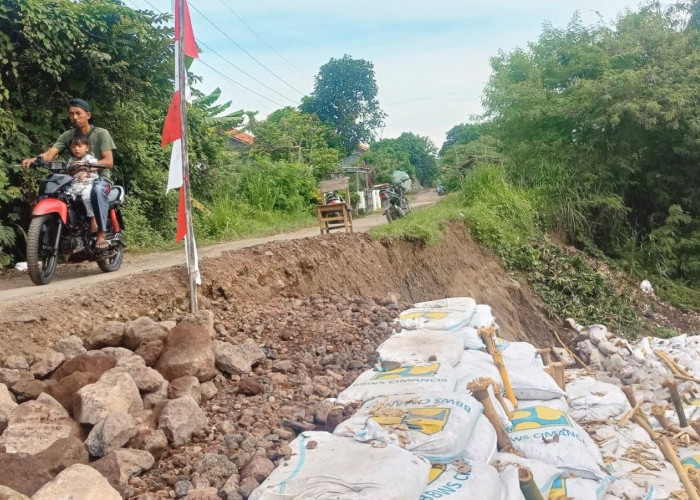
{"x":431,"y":58}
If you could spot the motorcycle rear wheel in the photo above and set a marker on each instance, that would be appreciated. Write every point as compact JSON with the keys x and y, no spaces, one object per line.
{"x":41,"y":244}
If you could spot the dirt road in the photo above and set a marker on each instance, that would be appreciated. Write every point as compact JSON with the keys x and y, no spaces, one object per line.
{"x":75,"y":277}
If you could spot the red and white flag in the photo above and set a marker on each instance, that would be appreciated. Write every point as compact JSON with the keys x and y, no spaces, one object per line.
{"x":172,"y":128}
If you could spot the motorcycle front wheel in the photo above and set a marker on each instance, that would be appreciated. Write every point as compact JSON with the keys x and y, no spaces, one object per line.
{"x":42,"y":255}
{"x":116,"y":254}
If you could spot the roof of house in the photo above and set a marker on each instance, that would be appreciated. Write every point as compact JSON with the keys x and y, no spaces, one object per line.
{"x":241,"y":136}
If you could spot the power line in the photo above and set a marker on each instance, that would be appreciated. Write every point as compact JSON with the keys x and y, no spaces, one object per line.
{"x":260,"y":38}
{"x":244,"y":50}
{"x":236,"y":83}
{"x":245,"y":73}
{"x":230,"y":80}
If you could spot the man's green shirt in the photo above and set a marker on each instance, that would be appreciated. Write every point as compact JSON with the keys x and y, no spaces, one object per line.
{"x":99,"y":141}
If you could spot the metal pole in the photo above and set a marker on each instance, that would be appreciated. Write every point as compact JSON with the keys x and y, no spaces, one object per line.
{"x":182,"y":85}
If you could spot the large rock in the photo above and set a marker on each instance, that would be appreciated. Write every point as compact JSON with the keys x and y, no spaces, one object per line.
{"x":148,"y":437}
{"x":35,"y":425}
{"x":25,"y":390}
{"x":155,"y":398}
{"x":150,"y":351}
{"x":258,"y":467}
{"x":16,"y":361}
{"x":141,"y":331}
{"x":180,"y":418}
{"x":117,"y":352}
{"x":78,"y":482}
{"x":151,"y":440}
{"x":62,"y":454}
{"x":120,"y":465}
{"x":185,"y":386}
{"x":10,"y":494}
{"x":237,"y":359}
{"x":107,"y":334}
{"x":188,"y":351}
{"x":111,"y":433}
{"x":7,"y":404}
{"x":113,"y":392}
{"x":46,"y":362}
{"x":22,"y":472}
{"x":63,"y":390}
{"x":70,"y":347}
{"x":146,"y":379}
{"x":93,"y":362}
{"x":215,"y":468}
{"x":207,"y":390}
{"x":11,"y":376}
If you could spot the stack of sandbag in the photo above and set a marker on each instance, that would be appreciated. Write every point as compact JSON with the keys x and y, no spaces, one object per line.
{"x":590,"y":400}
{"x":326,"y":466}
{"x":508,"y":465}
{"x":406,"y":379}
{"x":463,"y":479}
{"x":436,"y":426}
{"x":447,"y":315}
{"x":421,"y":346}
{"x":528,"y":379}
{"x":551,"y":436}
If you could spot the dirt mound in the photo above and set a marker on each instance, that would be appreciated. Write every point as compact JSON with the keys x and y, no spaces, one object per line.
{"x":340,"y":264}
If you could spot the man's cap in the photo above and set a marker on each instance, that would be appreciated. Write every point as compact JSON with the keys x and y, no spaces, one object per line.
{"x":78,"y":103}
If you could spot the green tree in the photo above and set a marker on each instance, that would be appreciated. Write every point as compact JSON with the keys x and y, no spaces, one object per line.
{"x":464,"y":133}
{"x":290,"y":135}
{"x":345,"y":96}
{"x":618,"y":106}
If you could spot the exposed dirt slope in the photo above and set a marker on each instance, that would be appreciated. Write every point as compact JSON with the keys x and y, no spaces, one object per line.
{"x":347,"y":265}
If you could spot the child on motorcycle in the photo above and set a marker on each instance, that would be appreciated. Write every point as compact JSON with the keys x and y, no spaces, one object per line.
{"x":83,"y":177}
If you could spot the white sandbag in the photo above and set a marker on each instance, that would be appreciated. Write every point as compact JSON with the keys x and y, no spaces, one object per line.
{"x":470,"y":338}
{"x":528,"y":380}
{"x":590,"y":400}
{"x":443,"y":320}
{"x":482,"y":317}
{"x":436,"y":426}
{"x":463,"y":481}
{"x":324,"y":466}
{"x":465,"y":305}
{"x":482,"y":444}
{"x":422,"y":346}
{"x":575,"y":488}
{"x":519,"y":351}
{"x":407,"y":379}
{"x":433,"y":319}
{"x":551,"y":436}
{"x":508,"y":464}
{"x":556,"y":403}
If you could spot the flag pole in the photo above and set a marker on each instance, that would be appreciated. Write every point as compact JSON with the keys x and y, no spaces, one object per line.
{"x":182,"y":85}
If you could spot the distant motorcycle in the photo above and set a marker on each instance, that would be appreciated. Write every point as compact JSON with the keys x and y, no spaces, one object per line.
{"x":394,"y":201}
{"x":441,"y":190}
{"x":60,"y":229}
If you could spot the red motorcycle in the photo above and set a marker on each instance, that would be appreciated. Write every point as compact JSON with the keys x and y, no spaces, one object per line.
{"x":60,"y":228}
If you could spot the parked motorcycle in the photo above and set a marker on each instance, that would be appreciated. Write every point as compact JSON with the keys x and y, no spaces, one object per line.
{"x":60,"y":228}
{"x":394,"y":201}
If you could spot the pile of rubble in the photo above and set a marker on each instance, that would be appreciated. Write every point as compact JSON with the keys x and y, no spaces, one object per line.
{"x":116,"y":407}
{"x":202,"y":409}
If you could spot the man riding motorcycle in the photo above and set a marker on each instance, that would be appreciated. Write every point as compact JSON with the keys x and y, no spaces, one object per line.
{"x":101,"y":146}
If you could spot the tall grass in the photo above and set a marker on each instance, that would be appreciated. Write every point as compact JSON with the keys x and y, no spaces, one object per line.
{"x":506,"y":219}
